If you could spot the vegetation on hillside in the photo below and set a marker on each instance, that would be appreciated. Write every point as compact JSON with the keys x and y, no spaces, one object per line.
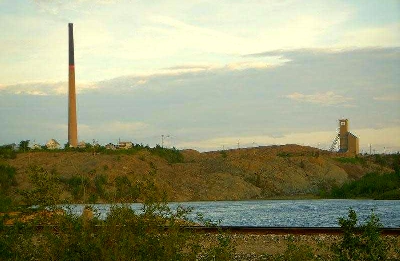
{"x":7,"y":152}
{"x":7,"y":181}
{"x":372,"y":185}
{"x":171,"y":155}
{"x":93,"y":173}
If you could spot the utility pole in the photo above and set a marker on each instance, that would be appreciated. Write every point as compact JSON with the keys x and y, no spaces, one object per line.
{"x":95,"y":142}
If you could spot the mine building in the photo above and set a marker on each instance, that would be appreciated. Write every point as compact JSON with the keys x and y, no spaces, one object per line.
{"x":349,"y":143}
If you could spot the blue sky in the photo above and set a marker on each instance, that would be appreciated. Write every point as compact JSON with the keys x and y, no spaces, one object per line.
{"x":209,"y":74}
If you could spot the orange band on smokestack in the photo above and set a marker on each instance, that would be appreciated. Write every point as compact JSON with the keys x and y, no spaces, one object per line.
{"x":72,"y":121}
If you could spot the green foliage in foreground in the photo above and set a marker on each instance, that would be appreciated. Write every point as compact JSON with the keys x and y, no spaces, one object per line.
{"x":372,"y":185}
{"x":123,"y":235}
{"x":155,"y":233}
{"x":360,"y":242}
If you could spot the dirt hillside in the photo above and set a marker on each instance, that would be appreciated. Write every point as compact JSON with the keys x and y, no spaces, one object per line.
{"x":253,"y":173}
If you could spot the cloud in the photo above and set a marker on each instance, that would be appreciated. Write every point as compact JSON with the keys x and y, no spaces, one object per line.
{"x":44,"y":88}
{"x":249,"y":65}
{"x":328,"y":98}
{"x":54,"y":7}
{"x":299,"y":53}
{"x":126,"y":126}
{"x":394,"y":97}
{"x":113,"y":127}
{"x":232,"y":142}
{"x":384,"y":36}
{"x":199,"y":101}
{"x":384,"y":139}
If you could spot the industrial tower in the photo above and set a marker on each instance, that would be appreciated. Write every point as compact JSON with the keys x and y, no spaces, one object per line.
{"x":349,"y":143}
{"x":72,"y":122}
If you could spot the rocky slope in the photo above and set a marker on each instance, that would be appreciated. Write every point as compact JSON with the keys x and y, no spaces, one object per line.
{"x":253,"y":173}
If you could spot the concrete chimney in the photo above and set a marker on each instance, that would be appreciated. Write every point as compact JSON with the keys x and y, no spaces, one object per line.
{"x":72,"y":121}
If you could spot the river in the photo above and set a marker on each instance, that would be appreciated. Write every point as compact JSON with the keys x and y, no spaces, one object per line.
{"x":281,"y":213}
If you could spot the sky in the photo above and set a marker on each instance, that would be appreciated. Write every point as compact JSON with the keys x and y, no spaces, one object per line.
{"x":205,"y":74}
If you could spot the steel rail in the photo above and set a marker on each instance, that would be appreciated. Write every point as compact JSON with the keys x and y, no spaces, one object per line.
{"x":254,"y":230}
{"x":281,"y":230}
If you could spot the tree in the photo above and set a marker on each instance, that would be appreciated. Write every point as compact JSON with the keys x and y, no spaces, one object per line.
{"x":24,"y":145}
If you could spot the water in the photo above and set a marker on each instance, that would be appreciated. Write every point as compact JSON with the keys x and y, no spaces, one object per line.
{"x":282,"y":213}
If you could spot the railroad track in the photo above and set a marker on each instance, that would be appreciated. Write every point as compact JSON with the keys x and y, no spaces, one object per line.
{"x":259,"y":230}
{"x":281,"y":230}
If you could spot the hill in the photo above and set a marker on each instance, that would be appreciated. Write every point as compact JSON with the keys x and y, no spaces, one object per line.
{"x":253,"y":173}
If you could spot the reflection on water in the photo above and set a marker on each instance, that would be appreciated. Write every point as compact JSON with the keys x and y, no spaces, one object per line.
{"x":281,"y":213}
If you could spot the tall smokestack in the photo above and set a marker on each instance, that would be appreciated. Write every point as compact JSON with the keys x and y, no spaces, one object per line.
{"x":72,"y":122}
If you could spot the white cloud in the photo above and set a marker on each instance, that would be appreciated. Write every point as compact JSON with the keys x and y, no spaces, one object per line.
{"x":112,"y":127}
{"x":384,"y":36}
{"x":311,"y":139}
{"x":380,"y":139}
{"x":395,"y":97}
{"x":141,"y":82}
{"x":387,"y":139}
{"x":126,"y":126}
{"x":112,"y":130}
{"x":248,"y":65}
{"x":328,"y":98}
{"x":44,"y":88}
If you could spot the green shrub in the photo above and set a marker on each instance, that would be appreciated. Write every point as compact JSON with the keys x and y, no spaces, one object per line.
{"x":7,"y":177}
{"x":360,"y":242}
{"x":77,"y":186}
{"x":99,"y":182}
{"x":45,"y":189}
{"x":224,"y":154}
{"x":125,"y":191}
{"x":7,"y":152}
{"x":171,"y":155}
{"x":284,"y":154}
{"x":296,"y":252}
{"x":371,"y":185}
{"x":351,"y":160}
{"x":155,"y":233}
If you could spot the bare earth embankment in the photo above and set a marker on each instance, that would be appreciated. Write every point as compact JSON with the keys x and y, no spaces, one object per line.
{"x":289,"y":171}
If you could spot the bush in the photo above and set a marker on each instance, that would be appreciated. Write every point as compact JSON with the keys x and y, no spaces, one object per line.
{"x":294,"y":252}
{"x":360,"y":242}
{"x":353,"y":160}
{"x":45,"y":190}
{"x":77,"y":186}
{"x":171,"y":155}
{"x":284,"y":154}
{"x":371,"y":185}
{"x":7,"y":178}
{"x":7,"y":152}
{"x":125,"y":191}
{"x":155,"y":233}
